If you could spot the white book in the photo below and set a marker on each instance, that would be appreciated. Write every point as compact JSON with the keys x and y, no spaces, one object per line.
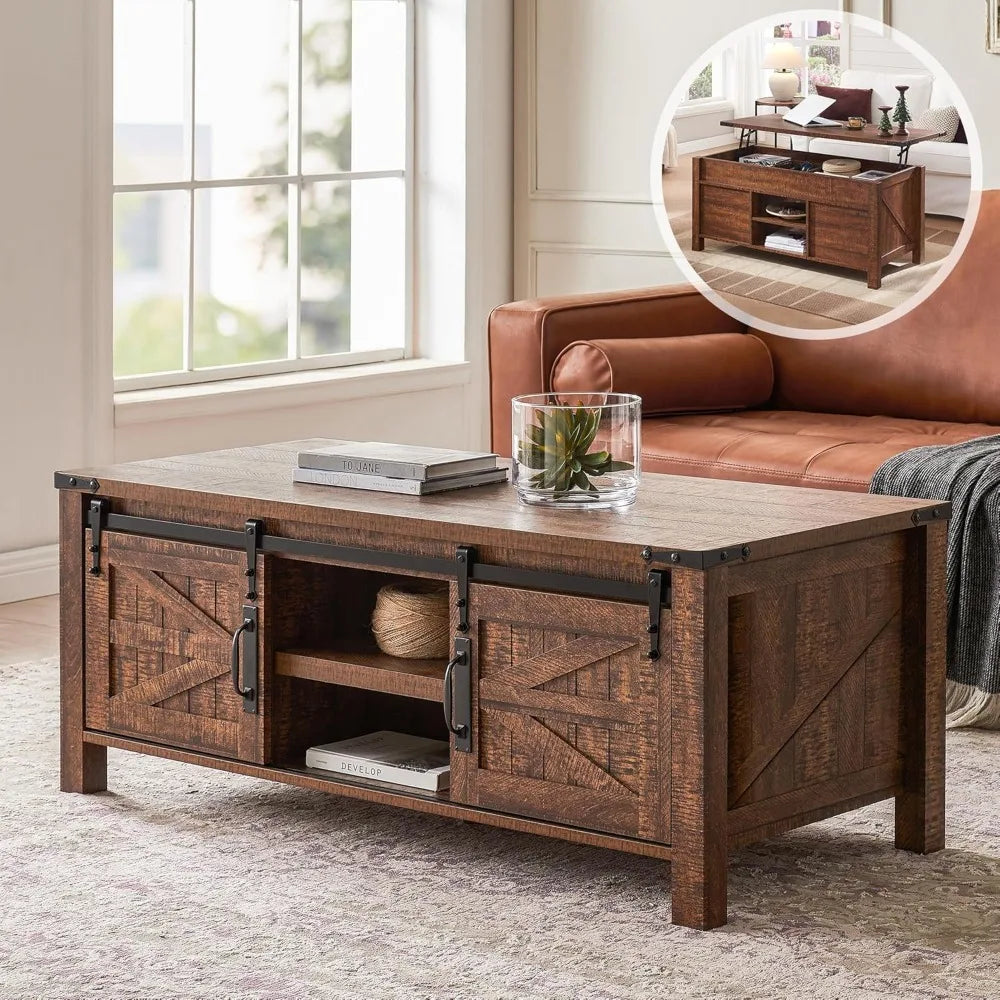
{"x":396,"y":461}
{"x":394,"y":758}
{"x":807,"y":113}
{"x":386,"y":484}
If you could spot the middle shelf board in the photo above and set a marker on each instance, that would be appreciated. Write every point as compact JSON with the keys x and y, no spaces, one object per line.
{"x":359,"y":663}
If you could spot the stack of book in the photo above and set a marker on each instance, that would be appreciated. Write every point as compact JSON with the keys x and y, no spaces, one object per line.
{"x":786,"y":239}
{"x":387,"y":758}
{"x":766,"y":160}
{"x":872,"y":175}
{"x":397,"y":468}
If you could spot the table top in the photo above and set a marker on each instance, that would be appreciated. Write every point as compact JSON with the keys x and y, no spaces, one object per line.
{"x":671,"y":513}
{"x":869,"y":134}
{"x":778,"y":102}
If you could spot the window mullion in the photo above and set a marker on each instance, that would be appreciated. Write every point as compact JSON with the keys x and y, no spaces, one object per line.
{"x":294,"y":197}
{"x":189,"y":134}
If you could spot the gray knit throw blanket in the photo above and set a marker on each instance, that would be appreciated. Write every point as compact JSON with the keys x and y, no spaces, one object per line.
{"x":969,"y":476}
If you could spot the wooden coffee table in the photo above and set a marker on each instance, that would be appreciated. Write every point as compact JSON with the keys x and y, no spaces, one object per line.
{"x":861,"y":225}
{"x":722,"y":662}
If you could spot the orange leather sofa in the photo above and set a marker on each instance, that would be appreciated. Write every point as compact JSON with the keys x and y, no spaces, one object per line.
{"x":839,"y":408}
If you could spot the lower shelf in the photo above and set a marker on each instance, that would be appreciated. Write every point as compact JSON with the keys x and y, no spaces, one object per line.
{"x":429,"y":802}
{"x":360,"y":664}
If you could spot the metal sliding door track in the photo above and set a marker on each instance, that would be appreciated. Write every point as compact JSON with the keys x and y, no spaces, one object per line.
{"x":470,"y":568}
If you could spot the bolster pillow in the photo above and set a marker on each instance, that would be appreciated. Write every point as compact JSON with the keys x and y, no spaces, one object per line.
{"x":705,"y":372}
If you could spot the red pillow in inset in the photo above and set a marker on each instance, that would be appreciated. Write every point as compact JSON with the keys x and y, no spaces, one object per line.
{"x":848,"y":103}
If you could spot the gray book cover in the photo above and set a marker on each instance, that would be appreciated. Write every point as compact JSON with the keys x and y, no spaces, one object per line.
{"x":396,"y":461}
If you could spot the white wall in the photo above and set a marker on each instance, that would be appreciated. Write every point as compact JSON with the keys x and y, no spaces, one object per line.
{"x":56,"y":404}
{"x":592,"y":78}
{"x":878,"y":52}
{"x":44,"y":357}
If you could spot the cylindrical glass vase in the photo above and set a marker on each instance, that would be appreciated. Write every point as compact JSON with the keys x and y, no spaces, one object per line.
{"x":577,"y":449}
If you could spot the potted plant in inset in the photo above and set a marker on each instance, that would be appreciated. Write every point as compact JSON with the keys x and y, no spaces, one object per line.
{"x":884,"y":123}
{"x":576,"y":451}
{"x":902,"y":113}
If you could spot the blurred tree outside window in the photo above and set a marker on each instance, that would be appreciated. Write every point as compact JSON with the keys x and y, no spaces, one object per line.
{"x":703,"y":85}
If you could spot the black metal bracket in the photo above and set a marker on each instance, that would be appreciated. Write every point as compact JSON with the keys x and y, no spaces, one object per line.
{"x":466,"y":557}
{"x":67,"y":482}
{"x":942,"y":512}
{"x":457,"y":696}
{"x":699,"y":560}
{"x":656,"y":583}
{"x":97,"y":515}
{"x":253,"y":534}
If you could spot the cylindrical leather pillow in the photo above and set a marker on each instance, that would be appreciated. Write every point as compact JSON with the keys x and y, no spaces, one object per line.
{"x":705,"y":372}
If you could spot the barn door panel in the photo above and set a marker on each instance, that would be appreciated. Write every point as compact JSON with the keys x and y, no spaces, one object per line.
{"x":160,"y":621}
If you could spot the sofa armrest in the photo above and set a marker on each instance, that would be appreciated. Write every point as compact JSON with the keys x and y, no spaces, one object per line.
{"x":526,"y":337}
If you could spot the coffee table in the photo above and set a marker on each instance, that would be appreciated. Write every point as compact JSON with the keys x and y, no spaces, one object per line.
{"x":722,"y":662}
{"x":861,"y":225}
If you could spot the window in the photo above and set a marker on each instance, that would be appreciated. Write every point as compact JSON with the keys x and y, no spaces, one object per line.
{"x":701,"y":88}
{"x":262,"y":178}
{"x":821,"y":44}
{"x":706,"y":86}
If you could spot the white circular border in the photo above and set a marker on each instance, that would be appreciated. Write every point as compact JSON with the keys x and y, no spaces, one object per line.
{"x":660,"y":209}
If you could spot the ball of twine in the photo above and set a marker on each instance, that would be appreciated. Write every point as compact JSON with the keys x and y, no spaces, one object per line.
{"x":412,"y":621}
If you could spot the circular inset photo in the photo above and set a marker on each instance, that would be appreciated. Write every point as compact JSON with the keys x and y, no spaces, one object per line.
{"x":818,"y":174}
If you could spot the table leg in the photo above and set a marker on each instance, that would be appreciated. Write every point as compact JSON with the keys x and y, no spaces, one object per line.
{"x":920,"y":807}
{"x":83,"y":766}
{"x":699,"y":746}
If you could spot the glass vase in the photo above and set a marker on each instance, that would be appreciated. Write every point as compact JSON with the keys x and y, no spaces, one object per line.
{"x":579,"y":450}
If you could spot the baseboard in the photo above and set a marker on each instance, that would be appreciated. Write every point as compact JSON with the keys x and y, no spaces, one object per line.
{"x":29,"y":573}
{"x":700,"y":145}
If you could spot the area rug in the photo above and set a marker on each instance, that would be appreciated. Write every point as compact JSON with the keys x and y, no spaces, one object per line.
{"x":834,"y":293}
{"x":186,"y":883}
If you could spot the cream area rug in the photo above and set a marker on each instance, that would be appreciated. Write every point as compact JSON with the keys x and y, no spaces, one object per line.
{"x":181,"y":882}
{"x":835,"y":293}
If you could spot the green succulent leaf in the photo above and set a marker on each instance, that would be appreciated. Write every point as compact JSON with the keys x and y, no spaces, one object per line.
{"x":558,"y":444}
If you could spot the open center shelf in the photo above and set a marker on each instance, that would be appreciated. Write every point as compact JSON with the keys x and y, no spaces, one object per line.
{"x":358,"y":663}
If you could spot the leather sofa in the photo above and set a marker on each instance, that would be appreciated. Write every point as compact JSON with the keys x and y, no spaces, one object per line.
{"x":839,"y":408}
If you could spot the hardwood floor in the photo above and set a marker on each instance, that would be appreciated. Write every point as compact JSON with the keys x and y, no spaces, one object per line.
{"x":29,"y":630}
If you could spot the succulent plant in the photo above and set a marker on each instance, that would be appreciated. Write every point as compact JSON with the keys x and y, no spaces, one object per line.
{"x":558,"y":444}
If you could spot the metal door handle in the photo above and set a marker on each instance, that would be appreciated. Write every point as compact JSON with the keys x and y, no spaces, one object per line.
{"x":249,"y":626}
{"x":456,"y":660}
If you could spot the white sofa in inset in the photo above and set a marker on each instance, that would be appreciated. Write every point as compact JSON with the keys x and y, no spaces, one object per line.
{"x":948,"y":164}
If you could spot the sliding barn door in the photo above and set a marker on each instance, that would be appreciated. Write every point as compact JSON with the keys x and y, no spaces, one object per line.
{"x":160,"y":620}
{"x":566,"y":713}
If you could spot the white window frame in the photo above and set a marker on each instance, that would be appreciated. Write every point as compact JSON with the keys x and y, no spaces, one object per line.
{"x":805,"y":44}
{"x":294,"y":181}
{"x":716,"y":95}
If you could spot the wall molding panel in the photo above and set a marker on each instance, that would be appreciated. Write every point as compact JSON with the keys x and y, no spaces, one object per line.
{"x":583,"y":210}
{"x":29,"y":573}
